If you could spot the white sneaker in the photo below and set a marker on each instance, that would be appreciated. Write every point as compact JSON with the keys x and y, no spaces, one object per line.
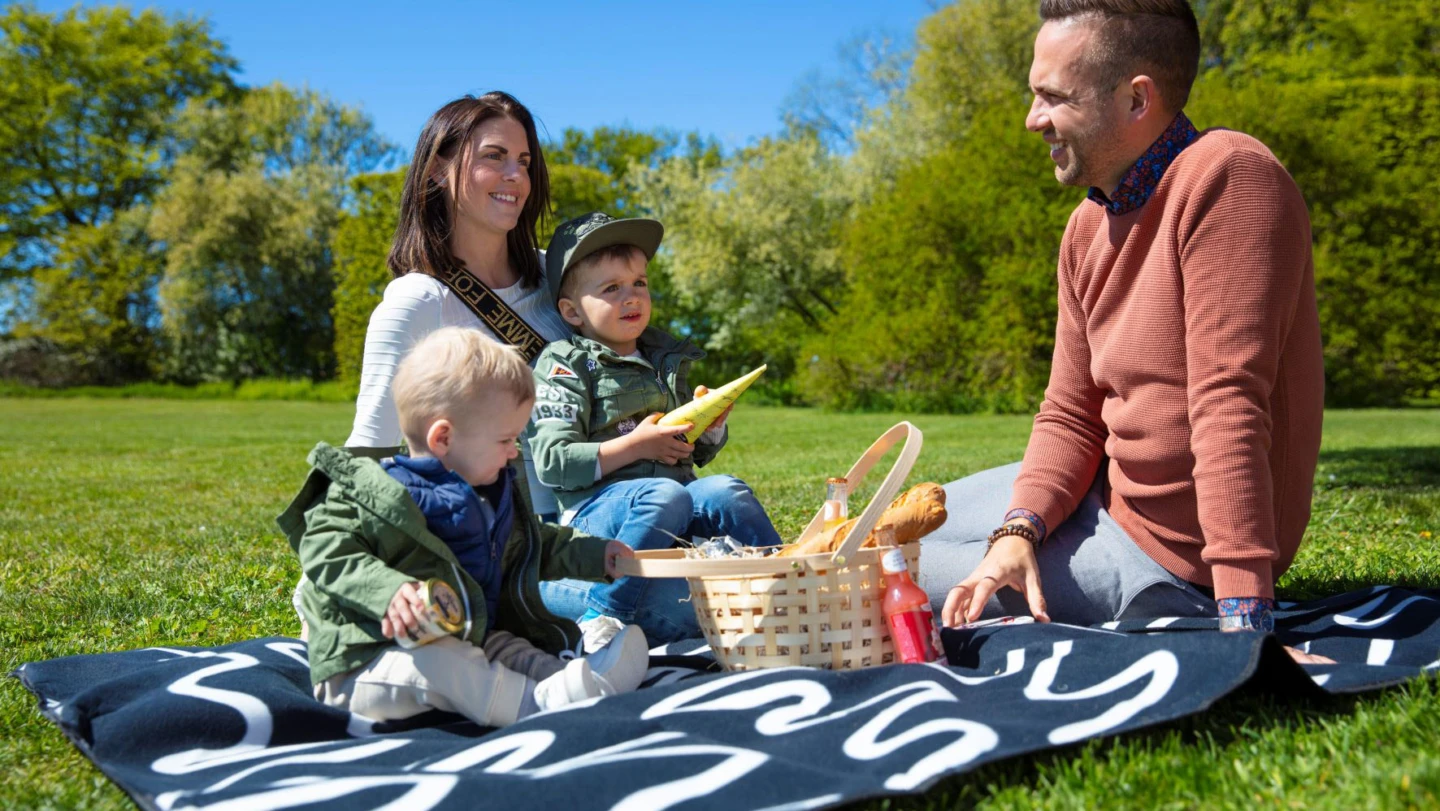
{"x":620,"y":666}
{"x":576,"y":682}
{"x":599,"y":631}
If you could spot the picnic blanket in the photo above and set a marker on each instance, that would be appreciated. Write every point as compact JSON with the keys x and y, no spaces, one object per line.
{"x":236,"y":727}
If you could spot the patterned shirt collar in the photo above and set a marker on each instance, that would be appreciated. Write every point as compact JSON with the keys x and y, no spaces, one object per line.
{"x":1142,"y":178}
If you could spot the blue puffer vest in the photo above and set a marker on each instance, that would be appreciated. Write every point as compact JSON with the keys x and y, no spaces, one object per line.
{"x":473,"y":525}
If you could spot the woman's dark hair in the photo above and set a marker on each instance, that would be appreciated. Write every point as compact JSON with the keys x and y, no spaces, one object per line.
{"x":422,"y":235}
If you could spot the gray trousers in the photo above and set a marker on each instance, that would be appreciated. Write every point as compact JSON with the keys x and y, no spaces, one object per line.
{"x":1090,"y":570}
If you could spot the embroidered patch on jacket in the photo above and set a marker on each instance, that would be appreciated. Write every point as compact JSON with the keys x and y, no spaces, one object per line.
{"x":626,"y":426}
{"x":559,"y":370}
{"x":554,"y":412}
{"x":592,"y":364}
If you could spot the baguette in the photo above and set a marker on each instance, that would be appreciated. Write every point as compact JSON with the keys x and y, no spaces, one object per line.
{"x":914,"y":514}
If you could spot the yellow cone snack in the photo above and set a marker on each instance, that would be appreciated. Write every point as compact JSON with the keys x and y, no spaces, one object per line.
{"x":703,"y":411}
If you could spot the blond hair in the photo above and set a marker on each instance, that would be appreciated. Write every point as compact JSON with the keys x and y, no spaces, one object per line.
{"x":450,"y":369}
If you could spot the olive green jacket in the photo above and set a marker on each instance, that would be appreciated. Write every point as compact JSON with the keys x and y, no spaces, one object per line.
{"x":587,"y":394}
{"x":360,"y":537}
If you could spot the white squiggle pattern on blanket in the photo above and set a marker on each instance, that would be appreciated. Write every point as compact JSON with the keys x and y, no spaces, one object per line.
{"x":1352,"y":619}
{"x":1161,"y":666}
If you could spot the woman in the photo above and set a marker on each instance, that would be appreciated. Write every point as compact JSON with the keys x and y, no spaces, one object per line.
{"x":473,"y":197}
{"x":474,"y":193}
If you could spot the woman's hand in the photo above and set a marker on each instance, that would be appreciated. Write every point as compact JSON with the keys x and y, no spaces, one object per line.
{"x":614,"y":550}
{"x":404,"y":609}
{"x":1010,"y":562}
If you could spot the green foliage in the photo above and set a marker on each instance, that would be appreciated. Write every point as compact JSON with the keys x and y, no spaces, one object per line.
{"x":362,"y":243}
{"x":1368,"y":71}
{"x":951,"y":282}
{"x":96,"y":300}
{"x":89,"y":96}
{"x":247,"y":220}
{"x":950,"y":252}
{"x":754,"y":239}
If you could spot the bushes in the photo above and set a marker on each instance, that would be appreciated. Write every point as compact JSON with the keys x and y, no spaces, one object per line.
{"x":362,"y":242}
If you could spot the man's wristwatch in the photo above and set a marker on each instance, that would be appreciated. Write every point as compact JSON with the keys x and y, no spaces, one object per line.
{"x":1246,"y":614}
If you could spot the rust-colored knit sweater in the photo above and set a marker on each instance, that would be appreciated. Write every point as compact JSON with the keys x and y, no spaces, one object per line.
{"x":1187,"y":350}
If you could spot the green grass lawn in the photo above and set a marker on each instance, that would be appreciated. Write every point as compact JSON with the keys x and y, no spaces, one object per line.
{"x":128,"y":523}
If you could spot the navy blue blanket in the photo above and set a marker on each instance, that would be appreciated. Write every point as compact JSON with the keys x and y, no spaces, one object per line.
{"x":235,"y":726}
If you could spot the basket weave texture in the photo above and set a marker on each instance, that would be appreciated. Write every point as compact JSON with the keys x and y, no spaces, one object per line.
{"x":820,"y":615}
{"x":819,"y":610}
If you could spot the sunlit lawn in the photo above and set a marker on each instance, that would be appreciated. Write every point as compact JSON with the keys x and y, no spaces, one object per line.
{"x":131,"y":523}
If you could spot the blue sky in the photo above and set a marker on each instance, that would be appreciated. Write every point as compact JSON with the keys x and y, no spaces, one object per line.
{"x":721,"y":68}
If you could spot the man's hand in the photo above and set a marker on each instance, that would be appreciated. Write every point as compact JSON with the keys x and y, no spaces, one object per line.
{"x":662,"y":443}
{"x":614,"y":550}
{"x":404,"y":609}
{"x":701,"y":391}
{"x":1010,"y":562}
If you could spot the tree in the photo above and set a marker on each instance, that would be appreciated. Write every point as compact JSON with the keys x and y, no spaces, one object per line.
{"x":950,"y":302}
{"x":96,"y":301}
{"x":834,"y":104}
{"x":1346,"y":94}
{"x":970,"y":55}
{"x":89,"y":96}
{"x":362,"y":244}
{"x":755,"y":240}
{"x":247,"y":222}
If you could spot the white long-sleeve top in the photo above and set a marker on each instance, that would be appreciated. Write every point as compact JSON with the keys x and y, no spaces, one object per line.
{"x":414,"y":306}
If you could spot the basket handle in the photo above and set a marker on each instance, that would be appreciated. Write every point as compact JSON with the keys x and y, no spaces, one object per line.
{"x":889,"y":488}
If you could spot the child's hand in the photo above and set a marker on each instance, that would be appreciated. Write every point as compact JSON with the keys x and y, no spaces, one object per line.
{"x":614,"y":550}
{"x":405,"y":606}
{"x":701,"y":391}
{"x":662,"y":443}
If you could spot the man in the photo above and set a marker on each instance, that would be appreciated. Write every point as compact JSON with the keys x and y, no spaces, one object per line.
{"x":1187,"y":354}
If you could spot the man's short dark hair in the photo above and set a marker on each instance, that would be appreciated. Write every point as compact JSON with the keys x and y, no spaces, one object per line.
{"x":1159,"y":38}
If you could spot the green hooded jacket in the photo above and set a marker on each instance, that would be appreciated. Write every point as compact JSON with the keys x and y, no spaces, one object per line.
{"x":360,"y":538}
{"x":586,"y":393}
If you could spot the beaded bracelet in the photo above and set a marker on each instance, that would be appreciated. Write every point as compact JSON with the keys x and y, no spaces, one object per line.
{"x":1029,"y":515}
{"x":1018,"y":530}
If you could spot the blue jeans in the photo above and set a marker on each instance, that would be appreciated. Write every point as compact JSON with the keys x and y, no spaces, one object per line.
{"x":651,"y":514}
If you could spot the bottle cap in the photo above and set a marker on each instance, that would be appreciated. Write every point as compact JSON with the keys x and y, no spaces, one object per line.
{"x":894,"y":562}
{"x":837,"y":480}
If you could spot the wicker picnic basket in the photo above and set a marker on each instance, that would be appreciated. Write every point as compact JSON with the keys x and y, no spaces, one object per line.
{"x":814,"y":610}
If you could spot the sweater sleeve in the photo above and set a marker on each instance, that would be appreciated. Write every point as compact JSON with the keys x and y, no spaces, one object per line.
{"x":340,"y":564}
{"x":410,"y":310}
{"x":1067,"y":441}
{"x":1245,"y":246}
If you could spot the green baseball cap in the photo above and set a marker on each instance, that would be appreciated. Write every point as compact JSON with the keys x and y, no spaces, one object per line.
{"x":578,"y":238}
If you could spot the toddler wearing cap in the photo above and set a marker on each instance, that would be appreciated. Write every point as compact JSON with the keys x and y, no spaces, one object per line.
{"x":594,"y":435}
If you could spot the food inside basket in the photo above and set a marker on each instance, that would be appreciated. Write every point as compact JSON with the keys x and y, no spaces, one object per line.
{"x":915,"y":514}
{"x":725,"y":546}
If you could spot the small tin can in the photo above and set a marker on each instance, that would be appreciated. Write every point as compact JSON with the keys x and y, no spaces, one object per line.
{"x":443,"y":615}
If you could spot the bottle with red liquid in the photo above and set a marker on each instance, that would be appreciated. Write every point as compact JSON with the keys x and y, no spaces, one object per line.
{"x":907,"y":612}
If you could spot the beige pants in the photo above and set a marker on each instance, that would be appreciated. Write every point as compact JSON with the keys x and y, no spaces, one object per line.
{"x":486,"y":685}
